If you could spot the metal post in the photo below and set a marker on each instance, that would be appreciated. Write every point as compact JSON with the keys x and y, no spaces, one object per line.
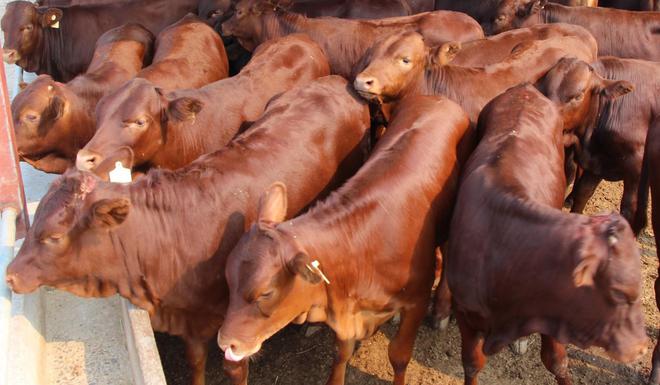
{"x":19,"y":80}
{"x":7,"y":242}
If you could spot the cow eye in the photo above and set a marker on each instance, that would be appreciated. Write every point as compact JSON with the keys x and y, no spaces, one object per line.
{"x":141,"y":122}
{"x":31,"y":117}
{"x":53,"y":238}
{"x":578,"y":97}
{"x":405,"y":60}
{"x":266,"y":295}
{"x":501,"y":18}
{"x":239,"y":13}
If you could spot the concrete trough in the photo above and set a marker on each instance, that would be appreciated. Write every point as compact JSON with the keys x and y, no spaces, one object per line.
{"x":56,"y":338}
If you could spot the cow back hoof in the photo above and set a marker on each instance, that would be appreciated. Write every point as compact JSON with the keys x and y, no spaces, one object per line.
{"x":521,"y":346}
{"x":441,"y":324}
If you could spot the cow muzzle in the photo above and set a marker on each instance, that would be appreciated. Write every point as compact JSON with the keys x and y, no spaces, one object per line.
{"x":10,"y":56}
{"x":19,"y":286}
{"x":233,"y":351}
{"x":87,"y":160}
{"x":367,"y":86}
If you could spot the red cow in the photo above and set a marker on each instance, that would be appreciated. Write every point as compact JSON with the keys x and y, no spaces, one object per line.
{"x":54,"y":120}
{"x":518,"y":265}
{"x":374,"y":240}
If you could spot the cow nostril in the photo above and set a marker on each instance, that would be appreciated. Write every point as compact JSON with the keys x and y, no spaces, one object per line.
{"x":11,"y":280}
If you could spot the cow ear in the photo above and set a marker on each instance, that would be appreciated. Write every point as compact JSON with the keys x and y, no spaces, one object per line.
{"x":448,"y":52}
{"x":615,"y":89}
{"x":51,"y":17}
{"x":301,"y":265}
{"x":51,"y":114}
{"x":184,"y":109}
{"x":273,"y":204}
{"x":536,"y":6}
{"x":109,"y":213}
{"x":585,"y":271}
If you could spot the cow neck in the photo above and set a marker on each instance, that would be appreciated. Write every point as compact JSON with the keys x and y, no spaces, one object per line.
{"x":180,"y":228}
{"x":343,"y":50}
{"x":450,"y":81}
{"x":336,"y":234}
{"x":51,"y":50}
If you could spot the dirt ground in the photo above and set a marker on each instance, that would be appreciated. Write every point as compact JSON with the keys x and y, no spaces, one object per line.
{"x":290,"y":358}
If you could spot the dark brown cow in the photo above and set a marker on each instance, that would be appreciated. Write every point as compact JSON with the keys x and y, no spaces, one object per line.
{"x":632,"y":5}
{"x":343,"y":41}
{"x":170,"y":130}
{"x":143,"y":240}
{"x":610,"y":131}
{"x":494,"y":49}
{"x":619,"y":33}
{"x":652,"y":172}
{"x":215,"y":10}
{"x":374,"y":239}
{"x":490,"y":12}
{"x":518,"y":265}
{"x":189,"y":54}
{"x":53,"y":121}
{"x":401,"y":65}
{"x":60,"y":42}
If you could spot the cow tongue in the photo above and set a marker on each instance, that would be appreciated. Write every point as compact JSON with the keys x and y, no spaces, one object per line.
{"x":231,"y":356}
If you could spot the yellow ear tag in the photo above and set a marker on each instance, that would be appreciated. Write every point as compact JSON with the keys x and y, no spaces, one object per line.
{"x":57,"y":24}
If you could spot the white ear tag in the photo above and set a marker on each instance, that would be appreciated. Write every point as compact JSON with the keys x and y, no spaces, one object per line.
{"x":57,"y":24}
{"x":120,"y":174}
{"x":315,"y":268}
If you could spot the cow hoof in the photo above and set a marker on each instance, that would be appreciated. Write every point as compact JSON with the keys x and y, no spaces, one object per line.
{"x":521,"y":346}
{"x":396,"y":319}
{"x":441,"y":324}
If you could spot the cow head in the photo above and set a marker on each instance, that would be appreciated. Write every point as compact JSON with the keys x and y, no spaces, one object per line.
{"x":270,"y":279}
{"x":214,"y":11}
{"x":579,"y":92}
{"x":23,"y":26}
{"x":607,"y":275}
{"x":42,"y":115}
{"x":135,"y":117}
{"x":246,"y":23}
{"x":512,"y":14}
{"x":393,"y":64}
{"x":69,"y":245}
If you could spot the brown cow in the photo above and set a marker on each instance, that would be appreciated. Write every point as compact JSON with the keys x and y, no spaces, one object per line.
{"x":53,"y":121}
{"x":610,"y":131}
{"x":652,"y":172}
{"x":143,"y":240}
{"x":374,"y":239}
{"x":494,"y":49}
{"x":490,"y":12}
{"x":518,"y":265}
{"x":343,"y":41}
{"x":179,"y":126}
{"x":632,"y":5}
{"x":626,"y":34}
{"x":60,"y":41}
{"x":401,"y":64}
{"x":189,"y":54}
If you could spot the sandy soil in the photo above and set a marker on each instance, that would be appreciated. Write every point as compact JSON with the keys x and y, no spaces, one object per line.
{"x":290,"y":358}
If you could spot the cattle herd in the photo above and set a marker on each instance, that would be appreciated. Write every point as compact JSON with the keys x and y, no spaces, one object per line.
{"x":334,"y":161}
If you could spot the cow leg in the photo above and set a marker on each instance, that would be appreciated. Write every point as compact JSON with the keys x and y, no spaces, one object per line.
{"x":237,"y":372}
{"x":401,"y":347}
{"x":196,"y":353}
{"x":345,"y":349}
{"x":655,"y":372}
{"x":472,"y":353}
{"x":584,"y":188}
{"x":553,"y":355}
{"x":442,"y":301}
{"x":629,"y":201}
